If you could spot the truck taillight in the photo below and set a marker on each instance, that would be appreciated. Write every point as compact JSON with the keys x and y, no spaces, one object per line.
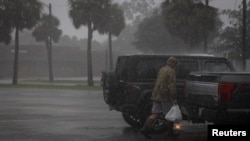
{"x":225,"y":91}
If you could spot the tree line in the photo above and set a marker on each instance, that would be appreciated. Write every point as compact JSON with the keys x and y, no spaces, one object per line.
{"x":189,"y":25}
{"x":103,"y":16}
{"x":174,"y":26}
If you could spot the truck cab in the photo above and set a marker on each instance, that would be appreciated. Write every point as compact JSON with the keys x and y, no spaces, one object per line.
{"x":128,"y":88}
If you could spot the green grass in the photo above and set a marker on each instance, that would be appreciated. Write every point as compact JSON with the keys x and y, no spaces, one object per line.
{"x":53,"y":85}
{"x":58,"y":81}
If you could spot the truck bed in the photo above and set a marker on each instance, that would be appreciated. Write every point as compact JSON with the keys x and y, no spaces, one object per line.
{"x":215,"y":93}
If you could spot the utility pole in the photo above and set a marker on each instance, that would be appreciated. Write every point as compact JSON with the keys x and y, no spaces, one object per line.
{"x":206,"y":38}
{"x":106,"y":58}
{"x":207,"y":2}
{"x":243,"y":51}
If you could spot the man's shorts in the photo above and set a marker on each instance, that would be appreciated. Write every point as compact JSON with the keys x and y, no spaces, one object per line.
{"x":161,"y":107}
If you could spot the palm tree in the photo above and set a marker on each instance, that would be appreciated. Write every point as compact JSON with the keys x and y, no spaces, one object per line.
{"x":113,"y":26}
{"x":42,"y":32}
{"x":5,"y":27}
{"x":18,"y":15}
{"x":90,"y":13}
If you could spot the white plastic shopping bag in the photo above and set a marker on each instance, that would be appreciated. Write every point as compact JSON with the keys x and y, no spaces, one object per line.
{"x":174,"y":114}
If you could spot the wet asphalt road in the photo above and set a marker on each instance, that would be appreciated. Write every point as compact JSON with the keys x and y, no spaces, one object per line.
{"x":71,"y":115}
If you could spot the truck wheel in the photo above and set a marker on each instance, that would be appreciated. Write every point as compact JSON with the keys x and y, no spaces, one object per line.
{"x":160,"y":124}
{"x":138,"y":118}
{"x":221,"y":117}
{"x":133,"y":120}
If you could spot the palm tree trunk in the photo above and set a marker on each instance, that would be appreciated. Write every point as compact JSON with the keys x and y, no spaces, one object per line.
{"x":51,"y":77}
{"x":89,"y":56}
{"x":15,"y":71}
{"x":49,"y":55}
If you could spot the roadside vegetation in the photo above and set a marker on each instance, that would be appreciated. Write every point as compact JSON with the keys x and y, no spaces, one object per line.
{"x":56,"y":84}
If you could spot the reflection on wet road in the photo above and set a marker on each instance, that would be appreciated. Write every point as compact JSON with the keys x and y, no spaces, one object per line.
{"x":69,"y":115}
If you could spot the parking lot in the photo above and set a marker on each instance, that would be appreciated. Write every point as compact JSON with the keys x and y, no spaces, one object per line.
{"x":75,"y":115}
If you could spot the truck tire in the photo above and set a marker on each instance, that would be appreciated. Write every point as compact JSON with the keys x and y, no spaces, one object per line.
{"x":160,"y":125}
{"x":109,"y":87}
{"x":134,"y":120}
{"x":221,"y":117}
{"x":138,"y":118}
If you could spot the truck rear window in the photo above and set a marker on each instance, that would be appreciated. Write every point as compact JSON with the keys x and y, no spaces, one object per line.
{"x":213,"y":66}
{"x":147,"y":69}
{"x":122,"y":68}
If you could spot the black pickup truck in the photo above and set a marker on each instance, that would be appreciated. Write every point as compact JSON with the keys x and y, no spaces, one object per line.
{"x":128,"y":88}
{"x":219,"y":97}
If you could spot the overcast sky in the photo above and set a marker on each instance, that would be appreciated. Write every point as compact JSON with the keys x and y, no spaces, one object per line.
{"x":60,"y":9}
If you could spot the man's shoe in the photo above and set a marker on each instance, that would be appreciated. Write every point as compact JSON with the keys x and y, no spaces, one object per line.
{"x":173,"y":134}
{"x":146,"y":129}
{"x":145,"y":134}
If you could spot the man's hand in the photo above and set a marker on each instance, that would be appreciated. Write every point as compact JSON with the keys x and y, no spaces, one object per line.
{"x":174,"y":101}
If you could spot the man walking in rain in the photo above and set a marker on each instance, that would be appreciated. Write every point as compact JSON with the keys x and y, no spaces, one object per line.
{"x":163,"y":96}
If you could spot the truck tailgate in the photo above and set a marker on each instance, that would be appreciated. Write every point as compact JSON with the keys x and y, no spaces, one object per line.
{"x":240,"y":97}
{"x":231,"y":90}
